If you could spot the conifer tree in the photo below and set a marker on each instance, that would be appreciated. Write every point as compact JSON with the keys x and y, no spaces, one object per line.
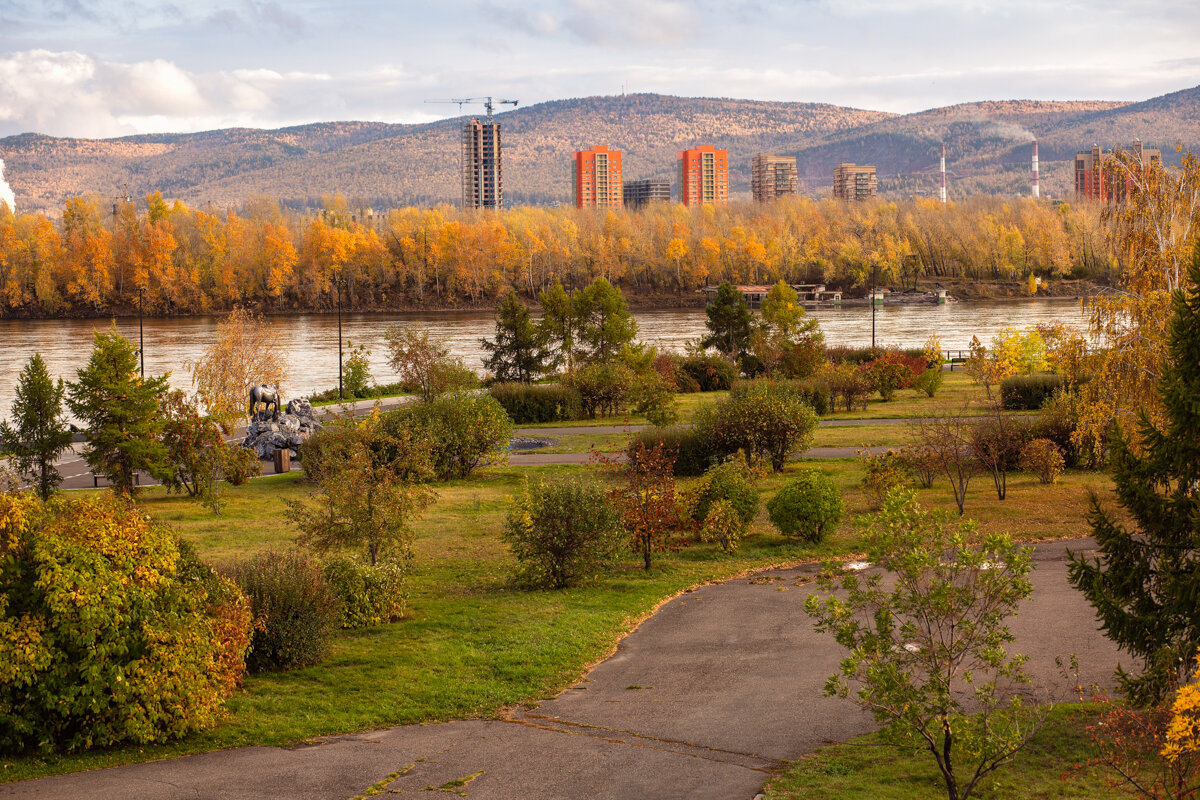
{"x":559,"y":324}
{"x":38,"y":434}
{"x":1145,"y":585}
{"x":518,"y":353}
{"x":729,"y":322}
{"x":122,"y":410}
{"x":605,"y":325}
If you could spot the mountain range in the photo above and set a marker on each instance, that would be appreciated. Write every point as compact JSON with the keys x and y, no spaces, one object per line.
{"x":384,"y":165}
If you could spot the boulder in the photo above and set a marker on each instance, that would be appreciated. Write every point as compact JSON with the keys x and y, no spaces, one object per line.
{"x":269,"y":432}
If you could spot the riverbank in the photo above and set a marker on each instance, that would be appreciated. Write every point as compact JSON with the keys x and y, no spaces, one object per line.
{"x":961,"y":290}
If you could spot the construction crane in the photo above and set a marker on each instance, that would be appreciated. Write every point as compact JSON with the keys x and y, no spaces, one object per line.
{"x":488,"y":103}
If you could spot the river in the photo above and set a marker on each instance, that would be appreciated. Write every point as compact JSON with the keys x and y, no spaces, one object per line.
{"x":310,"y":340}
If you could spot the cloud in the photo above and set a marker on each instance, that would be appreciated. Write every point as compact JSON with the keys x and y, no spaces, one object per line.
{"x":602,"y":22}
{"x":74,"y":94}
{"x":256,"y":16}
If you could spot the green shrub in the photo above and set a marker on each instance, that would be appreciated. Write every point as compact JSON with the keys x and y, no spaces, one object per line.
{"x":466,"y":431}
{"x":884,"y":472}
{"x":929,"y":381}
{"x":1043,"y":458}
{"x":1029,"y":392}
{"x":670,"y":366}
{"x":108,"y":631}
{"x":563,"y":532}
{"x":817,"y":392}
{"x":527,"y":403}
{"x":732,"y":483}
{"x":763,"y":419}
{"x":711,"y":372}
{"x":1058,"y":422}
{"x":239,"y":464}
{"x":356,"y":378}
{"x":604,"y":388}
{"x":653,"y":397}
{"x":694,"y":451}
{"x":294,"y":610}
{"x":807,"y":507}
{"x":367,"y":595}
{"x":839,"y":354}
{"x":723,"y":525}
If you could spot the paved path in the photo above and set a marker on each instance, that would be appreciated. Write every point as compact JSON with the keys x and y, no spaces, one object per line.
{"x":710,"y":695}
{"x":577,"y":430}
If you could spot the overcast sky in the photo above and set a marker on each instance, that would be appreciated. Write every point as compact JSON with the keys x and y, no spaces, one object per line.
{"x":112,"y":67}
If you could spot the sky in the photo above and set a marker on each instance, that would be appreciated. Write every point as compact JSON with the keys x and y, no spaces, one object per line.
{"x":102,"y":68}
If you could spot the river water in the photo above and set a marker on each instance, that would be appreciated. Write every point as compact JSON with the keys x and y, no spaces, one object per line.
{"x":310,"y":340}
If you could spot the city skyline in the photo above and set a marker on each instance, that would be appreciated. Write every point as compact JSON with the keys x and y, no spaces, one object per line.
{"x":118,"y":67}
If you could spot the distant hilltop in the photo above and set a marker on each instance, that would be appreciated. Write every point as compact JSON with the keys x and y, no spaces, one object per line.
{"x":987,"y":150}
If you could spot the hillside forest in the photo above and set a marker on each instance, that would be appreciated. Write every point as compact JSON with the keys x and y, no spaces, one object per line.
{"x":101,"y":258}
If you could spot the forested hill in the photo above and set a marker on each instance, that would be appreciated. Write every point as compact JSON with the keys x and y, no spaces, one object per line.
{"x":385,"y":165}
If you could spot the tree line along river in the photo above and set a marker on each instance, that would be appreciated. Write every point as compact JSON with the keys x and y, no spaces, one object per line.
{"x":311,"y":340}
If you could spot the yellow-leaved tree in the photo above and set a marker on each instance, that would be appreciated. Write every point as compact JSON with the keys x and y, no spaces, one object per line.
{"x":1153,"y":232}
{"x":244,"y":355}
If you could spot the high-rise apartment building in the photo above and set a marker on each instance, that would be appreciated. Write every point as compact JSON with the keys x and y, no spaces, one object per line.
{"x":647,"y":190}
{"x":1099,"y":175}
{"x":854,"y":182}
{"x":703,"y":175}
{"x":596,"y":174}
{"x":772,"y":176}
{"x":482,"y":186}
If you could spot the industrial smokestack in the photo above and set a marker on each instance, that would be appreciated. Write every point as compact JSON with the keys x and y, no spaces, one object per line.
{"x":1037,"y":191}
{"x":943,"y":192}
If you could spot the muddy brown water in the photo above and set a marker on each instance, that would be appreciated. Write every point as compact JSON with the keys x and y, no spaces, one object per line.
{"x":311,"y":343}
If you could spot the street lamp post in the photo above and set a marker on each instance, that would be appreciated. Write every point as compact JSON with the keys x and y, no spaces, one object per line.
{"x":141,"y":334}
{"x":338,"y":283}
{"x":874,"y":288}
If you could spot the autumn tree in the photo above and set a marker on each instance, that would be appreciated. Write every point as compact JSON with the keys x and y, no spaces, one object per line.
{"x":371,"y":485}
{"x":927,"y":647}
{"x":1145,"y":580}
{"x":38,"y":434}
{"x":1152,"y":232}
{"x":646,"y":497}
{"x":244,"y":354}
{"x":122,"y":412}
{"x":518,"y":353}
{"x":423,"y":364}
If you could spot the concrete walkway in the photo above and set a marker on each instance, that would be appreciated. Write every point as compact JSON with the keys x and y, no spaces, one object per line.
{"x":710,"y":695}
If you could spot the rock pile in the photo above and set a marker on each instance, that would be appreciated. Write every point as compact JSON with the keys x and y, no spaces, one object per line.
{"x":269,"y":432}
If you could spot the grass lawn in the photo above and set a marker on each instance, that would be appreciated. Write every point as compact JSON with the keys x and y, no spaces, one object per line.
{"x":866,"y":768}
{"x":957,"y":391}
{"x":584,"y":443}
{"x":473,"y":643}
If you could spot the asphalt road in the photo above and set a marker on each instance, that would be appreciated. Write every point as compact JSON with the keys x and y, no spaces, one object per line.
{"x":705,"y":699}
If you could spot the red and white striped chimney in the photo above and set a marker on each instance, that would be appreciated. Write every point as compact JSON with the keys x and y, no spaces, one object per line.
{"x":1037,"y":191}
{"x":943,"y":193}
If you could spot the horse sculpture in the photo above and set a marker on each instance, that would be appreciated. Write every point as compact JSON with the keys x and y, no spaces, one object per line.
{"x":266,"y":395}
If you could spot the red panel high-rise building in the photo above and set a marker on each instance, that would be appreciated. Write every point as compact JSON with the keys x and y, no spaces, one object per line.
{"x":596,"y":174}
{"x":703,"y":175}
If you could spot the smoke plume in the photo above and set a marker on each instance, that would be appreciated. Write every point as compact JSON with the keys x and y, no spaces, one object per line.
{"x":6,"y":192}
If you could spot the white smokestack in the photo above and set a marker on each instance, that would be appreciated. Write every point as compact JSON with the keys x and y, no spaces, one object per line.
{"x":943,"y":192}
{"x":1037,"y":191}
{"x":6,"y":192}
